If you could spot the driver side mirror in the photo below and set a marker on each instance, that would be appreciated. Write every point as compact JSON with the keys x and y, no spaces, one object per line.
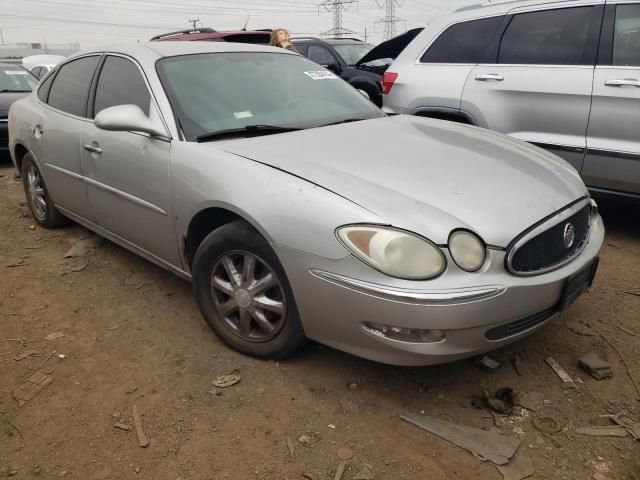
{"x":129,"y":118}
{"x":334,"y":67}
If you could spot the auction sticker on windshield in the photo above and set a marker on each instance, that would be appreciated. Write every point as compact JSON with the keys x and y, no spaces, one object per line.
{"x":320,"y":75}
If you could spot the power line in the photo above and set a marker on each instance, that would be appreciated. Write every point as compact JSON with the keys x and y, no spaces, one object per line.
{"x":390,"y":18}
{"x":337,"y":7}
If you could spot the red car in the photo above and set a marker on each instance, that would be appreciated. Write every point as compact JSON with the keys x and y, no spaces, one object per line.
{"x":210,"y":35}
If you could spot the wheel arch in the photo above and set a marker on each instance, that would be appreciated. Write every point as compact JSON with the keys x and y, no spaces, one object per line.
{"x":208,"y":218}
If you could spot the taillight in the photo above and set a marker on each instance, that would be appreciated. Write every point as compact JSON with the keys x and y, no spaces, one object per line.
{"x":387,"y":81}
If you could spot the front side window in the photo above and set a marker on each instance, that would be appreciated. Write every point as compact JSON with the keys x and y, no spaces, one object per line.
{"x":16,"y":79}
{"x":549,"y":37}
{"x":121,"y":83}
{"x":320,"y":55}
{"x":70,"y":88}
{"x":213,"y":92}
{"x":626,"y":37}
{"x":464,"y":42}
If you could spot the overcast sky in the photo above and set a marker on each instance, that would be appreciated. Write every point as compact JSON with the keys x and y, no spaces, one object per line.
{"x":94,"y":22}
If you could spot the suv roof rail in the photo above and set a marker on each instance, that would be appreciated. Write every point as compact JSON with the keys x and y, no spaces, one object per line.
{"x":184,"y":32}
{"x":345,"y":38}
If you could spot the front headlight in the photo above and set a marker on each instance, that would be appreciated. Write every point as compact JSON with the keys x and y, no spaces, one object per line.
{"x":394,"y":252}
{"x":467,"y":250}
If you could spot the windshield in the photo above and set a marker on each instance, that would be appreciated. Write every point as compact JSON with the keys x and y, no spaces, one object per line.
{"x":16,"y":79}
{"x":352,"y":52}
{"x":213,"y":92}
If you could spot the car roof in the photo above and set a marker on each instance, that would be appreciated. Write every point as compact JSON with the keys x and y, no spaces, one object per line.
{"x":489,"y":8}
{"x":151,"y":51}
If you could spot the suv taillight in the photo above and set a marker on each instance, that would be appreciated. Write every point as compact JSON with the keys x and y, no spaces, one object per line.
{"x":387,"y":81}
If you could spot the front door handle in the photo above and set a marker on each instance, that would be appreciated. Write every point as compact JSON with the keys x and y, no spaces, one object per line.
{"x":92,"y":149}
{"x":489,"y":77}
{"x":623,"y":82}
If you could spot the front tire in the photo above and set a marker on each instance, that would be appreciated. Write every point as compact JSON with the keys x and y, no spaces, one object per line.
{"x":42,"y":208}
{"x":244,"y":295}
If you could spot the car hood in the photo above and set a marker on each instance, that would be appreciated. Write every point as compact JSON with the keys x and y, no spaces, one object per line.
{"x":427,"y":176}
{"x":7,"y":98}
{"x":392,"y":47}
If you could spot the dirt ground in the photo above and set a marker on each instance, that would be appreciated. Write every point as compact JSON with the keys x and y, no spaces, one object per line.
{"x":123,"y":332}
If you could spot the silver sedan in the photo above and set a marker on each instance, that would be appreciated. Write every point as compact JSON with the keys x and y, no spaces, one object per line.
{"x":299,"y":210}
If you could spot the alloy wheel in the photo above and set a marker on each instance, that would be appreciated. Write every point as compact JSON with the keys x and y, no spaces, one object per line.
{"x":248,"y":296}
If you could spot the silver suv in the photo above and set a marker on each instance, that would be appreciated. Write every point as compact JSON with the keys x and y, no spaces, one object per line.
{"x":562,"y":75}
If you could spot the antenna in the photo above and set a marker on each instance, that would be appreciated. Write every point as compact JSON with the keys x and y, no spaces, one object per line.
{"x":244,"y":29}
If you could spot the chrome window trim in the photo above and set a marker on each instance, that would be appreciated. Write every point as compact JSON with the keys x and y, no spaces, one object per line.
{"x":552,"y":222}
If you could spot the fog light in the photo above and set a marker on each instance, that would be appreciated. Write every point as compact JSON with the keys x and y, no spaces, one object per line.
{"x":402,"y":334}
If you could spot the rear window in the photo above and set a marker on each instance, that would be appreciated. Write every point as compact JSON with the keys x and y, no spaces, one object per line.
{"x":464,"y":42}
{"x":626,"y":41}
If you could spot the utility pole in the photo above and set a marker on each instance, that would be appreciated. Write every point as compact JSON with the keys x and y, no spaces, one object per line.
{"x":336,"y":7}
{"x":195,"y":23}
{"x":2,"y":36}
{"x":390,"y":18}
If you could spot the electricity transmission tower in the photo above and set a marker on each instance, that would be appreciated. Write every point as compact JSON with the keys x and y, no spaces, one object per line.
{"x":195,"y":22}
{"x":390,"y":18}
{"x":337,"y":7}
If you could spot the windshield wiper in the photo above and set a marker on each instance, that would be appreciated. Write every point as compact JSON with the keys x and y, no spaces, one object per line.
{"x":243,"y":131}
{"x":7,"y":90}
{"x":347,"y":120}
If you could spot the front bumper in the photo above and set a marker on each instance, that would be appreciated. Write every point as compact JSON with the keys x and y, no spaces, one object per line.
{"x":335,"y":299}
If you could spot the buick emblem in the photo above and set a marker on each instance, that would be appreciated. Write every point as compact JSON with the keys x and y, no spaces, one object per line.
{"x":569,"y":235}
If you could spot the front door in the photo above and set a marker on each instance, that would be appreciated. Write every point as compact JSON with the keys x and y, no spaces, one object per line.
{"x":539,"y":88}
{"x":127,"y":173}
{"x":613,"y":138}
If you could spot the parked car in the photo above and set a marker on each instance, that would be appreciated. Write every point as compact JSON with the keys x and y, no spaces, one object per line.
{"x":15,"y":83}
{"x":38,"y":65}
{"x":298,"y":209}
{"x":211,"y":35}
{"x":341,"y":56}
{"x":562,"y":75}
{"x":379,"y":58}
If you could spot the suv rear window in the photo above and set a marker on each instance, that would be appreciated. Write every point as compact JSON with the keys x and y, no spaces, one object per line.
{"x":464,"y":42}
{"x":549,"y":37}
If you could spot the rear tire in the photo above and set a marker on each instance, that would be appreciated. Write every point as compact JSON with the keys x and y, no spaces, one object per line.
{"x":244,"y":295}
{"x":42,"y":208}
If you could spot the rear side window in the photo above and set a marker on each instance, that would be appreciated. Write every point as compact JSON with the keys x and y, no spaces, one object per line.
{"x":43,"y":91}
{"x":70,"y":88}
{"x":121,"y":83}
{"x":626,"y":38}
{"x":550,"y":37}
{"x":464,"y":42}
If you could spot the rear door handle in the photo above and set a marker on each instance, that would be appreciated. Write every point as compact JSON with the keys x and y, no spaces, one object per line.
{"x":623,"y":82}
{"x":488,"y":77}
{"x":92,"y":149}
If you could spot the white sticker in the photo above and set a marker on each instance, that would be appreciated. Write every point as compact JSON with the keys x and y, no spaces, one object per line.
{"x":321,"y":75}
{"x":16,"y":72}
{"x":245,"y":114}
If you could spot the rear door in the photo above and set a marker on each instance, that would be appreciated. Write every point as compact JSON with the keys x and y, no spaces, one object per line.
{"x":434,"y":82}
{"x":613,"y":138}
{"x":55,"y":136}
{"x":537,"y":82}
{"x":127,"y":173}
